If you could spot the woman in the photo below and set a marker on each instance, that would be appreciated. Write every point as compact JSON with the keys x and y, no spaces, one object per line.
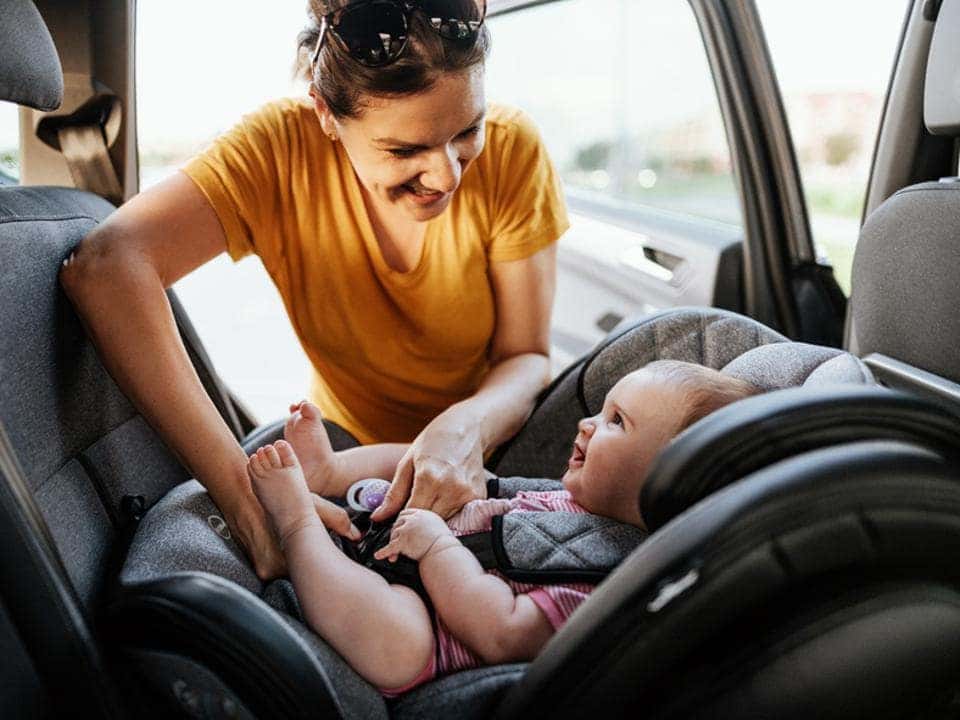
{"x":410,"y":230}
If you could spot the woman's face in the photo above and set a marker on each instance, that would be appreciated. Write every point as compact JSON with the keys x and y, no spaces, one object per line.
{"x":410,"y":152}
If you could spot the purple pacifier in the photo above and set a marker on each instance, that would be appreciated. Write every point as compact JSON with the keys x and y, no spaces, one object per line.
{"x":368,"y":494}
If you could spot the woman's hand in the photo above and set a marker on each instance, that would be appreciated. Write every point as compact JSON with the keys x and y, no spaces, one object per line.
{"x":416,"y":534}
{"x":442,"y":470}
{"x":248,"y":524}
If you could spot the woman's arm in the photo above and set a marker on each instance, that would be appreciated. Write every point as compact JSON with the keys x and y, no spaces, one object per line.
{"x":444,"y":465}
{"x":116,"y":280}
{"x":480,"y":609}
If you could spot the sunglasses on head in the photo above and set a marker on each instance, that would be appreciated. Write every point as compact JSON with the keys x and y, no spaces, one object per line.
{"x":374,"y":32}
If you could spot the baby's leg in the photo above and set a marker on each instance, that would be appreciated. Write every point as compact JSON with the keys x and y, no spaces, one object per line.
{"x":330,"y":473}
{"x":382,"y":630}
{"x":305,"y":431}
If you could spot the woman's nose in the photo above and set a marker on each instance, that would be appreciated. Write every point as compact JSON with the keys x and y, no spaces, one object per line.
{"x":444,"y":172}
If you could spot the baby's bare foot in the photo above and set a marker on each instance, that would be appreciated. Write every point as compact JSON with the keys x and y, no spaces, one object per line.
{"x":304,"y":430}
{"x":279,"y":485}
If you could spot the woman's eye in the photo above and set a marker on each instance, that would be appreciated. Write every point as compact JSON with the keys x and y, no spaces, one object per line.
{"x":403,"y":152}
{"x":470,"y":131}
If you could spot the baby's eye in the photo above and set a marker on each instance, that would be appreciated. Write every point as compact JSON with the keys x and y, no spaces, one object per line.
{"x":617,"y":419}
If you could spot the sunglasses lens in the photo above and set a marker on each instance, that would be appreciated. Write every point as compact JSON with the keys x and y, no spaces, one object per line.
{"x":455,"y":19}
{"x":373,"y":32}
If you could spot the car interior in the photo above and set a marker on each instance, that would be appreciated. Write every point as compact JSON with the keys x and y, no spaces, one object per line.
{"x":800,"y":558}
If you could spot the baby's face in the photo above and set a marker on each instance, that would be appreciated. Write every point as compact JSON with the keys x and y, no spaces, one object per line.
{"x":614,"y":449}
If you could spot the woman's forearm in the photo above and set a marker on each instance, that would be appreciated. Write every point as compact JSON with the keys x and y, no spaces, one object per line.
{"x":506,"y":397}
{"x":121,"y":301}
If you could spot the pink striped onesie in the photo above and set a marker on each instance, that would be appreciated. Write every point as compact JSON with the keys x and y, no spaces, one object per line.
{"x":556,"y":601}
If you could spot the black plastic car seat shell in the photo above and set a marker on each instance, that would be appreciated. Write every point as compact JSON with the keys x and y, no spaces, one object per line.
{"x":788,"y":542}
{"x":759,"y":431}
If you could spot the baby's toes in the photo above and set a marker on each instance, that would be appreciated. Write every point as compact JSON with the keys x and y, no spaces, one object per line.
{"x":272,"y":457}
{"x":310,"y":411}
{"x":253,"y":465}
{"x":285,"y":452}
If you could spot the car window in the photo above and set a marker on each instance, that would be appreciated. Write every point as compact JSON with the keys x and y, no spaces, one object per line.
{"x":622,"y":93}
{"x":833,"y":81}
{"x":196,"y":79}
{"x":9,"y":143}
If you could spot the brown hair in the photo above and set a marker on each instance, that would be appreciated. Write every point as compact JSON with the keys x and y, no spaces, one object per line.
{"x":704,"y":390}
{"x":343,"y":82}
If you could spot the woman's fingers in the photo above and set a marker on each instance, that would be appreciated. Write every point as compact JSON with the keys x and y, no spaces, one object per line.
{"x":335,"y":518}
{"x":399,"y":490}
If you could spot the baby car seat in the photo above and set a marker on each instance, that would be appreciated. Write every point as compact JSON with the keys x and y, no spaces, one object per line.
{"x":187,"y":600}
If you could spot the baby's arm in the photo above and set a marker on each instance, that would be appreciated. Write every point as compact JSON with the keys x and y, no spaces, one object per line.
{"x":479,"y":608}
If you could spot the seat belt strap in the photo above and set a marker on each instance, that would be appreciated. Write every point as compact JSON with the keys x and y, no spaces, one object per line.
{"x":89,"y":161}
{"x":84,"y":138}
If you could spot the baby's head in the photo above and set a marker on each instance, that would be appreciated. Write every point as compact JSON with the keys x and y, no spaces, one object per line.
{"x":641,"y":414}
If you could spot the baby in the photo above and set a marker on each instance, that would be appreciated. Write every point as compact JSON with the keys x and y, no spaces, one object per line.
{"x":386,"y":631}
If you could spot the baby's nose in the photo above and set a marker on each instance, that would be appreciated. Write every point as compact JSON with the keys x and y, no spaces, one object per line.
{"x":587,"y":425}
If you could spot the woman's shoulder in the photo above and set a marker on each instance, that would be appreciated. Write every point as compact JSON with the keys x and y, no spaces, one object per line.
{"x":509,"y":124}
{"x":283,"y":115}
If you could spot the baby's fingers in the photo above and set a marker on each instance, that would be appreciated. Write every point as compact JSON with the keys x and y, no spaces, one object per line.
{"x":389,"y":550}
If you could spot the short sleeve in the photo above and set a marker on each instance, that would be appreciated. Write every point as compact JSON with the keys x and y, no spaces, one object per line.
{"x":239,"y":174}
{"x":557,"y":602}
{"x":528,"y":210}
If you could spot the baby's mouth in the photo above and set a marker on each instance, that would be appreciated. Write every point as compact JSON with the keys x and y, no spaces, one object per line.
{"x":577,"y":457}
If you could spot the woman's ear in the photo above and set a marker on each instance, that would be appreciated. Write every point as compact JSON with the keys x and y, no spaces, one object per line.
{"x":327,"y":122}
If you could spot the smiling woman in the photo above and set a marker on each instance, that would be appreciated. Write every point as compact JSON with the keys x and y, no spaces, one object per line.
{"x":410,"y":230}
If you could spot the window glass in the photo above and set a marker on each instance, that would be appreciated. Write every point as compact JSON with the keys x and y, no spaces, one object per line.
{"x":833,"y":63}
{"x":200,"y":67}
{"x":9,"y":143}
{"x":623,"y":95}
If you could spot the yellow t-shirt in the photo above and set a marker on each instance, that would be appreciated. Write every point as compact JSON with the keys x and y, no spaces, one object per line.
{"x":390,"y":350}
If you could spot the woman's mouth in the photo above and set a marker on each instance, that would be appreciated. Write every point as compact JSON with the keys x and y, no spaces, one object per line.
{"x":422,"y":196}
{"x":576,"y":458}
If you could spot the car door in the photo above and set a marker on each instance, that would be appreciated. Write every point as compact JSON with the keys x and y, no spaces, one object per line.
{"x":666,"y":125}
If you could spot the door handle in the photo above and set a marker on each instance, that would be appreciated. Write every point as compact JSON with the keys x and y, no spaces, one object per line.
{"x":642,"y":258}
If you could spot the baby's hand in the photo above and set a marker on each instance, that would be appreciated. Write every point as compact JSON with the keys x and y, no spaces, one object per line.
{"x":414,"y":534}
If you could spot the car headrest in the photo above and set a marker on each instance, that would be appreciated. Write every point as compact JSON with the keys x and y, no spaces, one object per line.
{"x":905,"y":269}
{"x":941,"y":93}
{"x":30,"y":71}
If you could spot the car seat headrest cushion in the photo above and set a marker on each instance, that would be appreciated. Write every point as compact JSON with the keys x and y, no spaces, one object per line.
{"x":905,"y":290}
{"x":30,"y":71}
{"x":941,"y":93}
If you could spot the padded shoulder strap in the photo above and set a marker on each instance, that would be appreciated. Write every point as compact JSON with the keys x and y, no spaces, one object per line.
{"x":560,"y":547}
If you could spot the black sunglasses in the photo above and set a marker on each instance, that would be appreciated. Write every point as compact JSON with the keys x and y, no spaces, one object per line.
{"x":374,"y":32}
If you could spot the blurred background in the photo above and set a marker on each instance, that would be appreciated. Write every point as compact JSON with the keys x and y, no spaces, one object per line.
{"x":620,"y":89}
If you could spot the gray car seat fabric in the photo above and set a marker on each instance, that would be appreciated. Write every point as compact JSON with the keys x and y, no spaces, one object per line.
{"x":82,"y":446}
{"x":30,"y":71}
{"x":905,"y":290}
{"x":716,"y":338}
